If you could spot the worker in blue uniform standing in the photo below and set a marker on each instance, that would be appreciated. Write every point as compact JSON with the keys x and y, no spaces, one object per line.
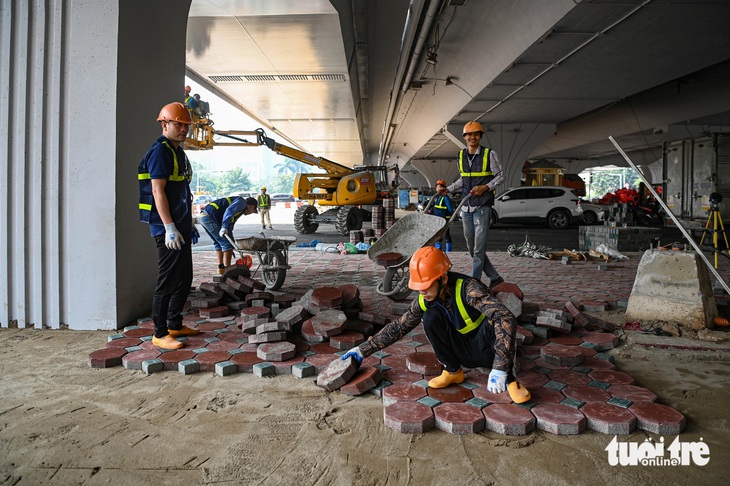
{"x":218,"y":219}
{"x":166,"y":205}
{"x":481,"y":172}
{"x":443,"y":208}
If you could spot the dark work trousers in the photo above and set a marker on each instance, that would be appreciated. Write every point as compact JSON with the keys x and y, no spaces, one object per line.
{"x":454,"y":349}
{"x":174,"y":277}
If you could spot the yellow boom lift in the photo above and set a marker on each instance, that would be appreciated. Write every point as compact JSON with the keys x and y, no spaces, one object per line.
{"x":343,"y":189}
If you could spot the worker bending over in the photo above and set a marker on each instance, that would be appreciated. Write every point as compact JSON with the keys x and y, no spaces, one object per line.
{"x":464,"y":323}
{"x":218,"y":219}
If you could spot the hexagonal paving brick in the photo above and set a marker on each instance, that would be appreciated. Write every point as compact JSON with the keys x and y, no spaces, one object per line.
{"x":613,"y":377}
{"x":570,"y":377}
{"x":320,"y":361}
{"x":598,"y":364}
{"x":452,"y":393}
{"x":308,"y":333}
{"x":532,"y":378}
{"x":560,"y":355}
{"x":658,"y":419}
{"x":171,"y":359}
{"x":566,"y":340}
{"x":272,"y":326}
{"x":543,"y":394}
{"x":327,"y":297}
{"x":258,"y":311}
{"x":329,"y":323}
{"x":399,"y":392}
{"x":602,"y":341}
{"x":365,"y":379}
{"x":389,"y":259}
{"x":346,"y":340}
{"x":490,"y":397}
{"x":245,"y":361}
{"x":509,"y":419}
{"x":350,"y":293}
{"x":585,"y":393}
{"x":608,"y":419}
{"x":267,"y":337}
{"x":209,"y":360}
{"x":223,"y":345}
{"x":632,"y":392}
{"x":337,"y":374}
{"x":138,"y":332}
{"x":106,"y":358}
{"x":424,"y":363}
{"x":126,"y":342}
{"x":408,"y":417}
{"x":279,"y":351}
{"x":133,"y":360}
{"x":459,"y":418}
{"x":559,"y":419}
{"x":210,"y":326}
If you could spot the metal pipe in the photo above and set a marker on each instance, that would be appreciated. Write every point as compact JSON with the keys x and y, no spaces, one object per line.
{"x":671,"y":215}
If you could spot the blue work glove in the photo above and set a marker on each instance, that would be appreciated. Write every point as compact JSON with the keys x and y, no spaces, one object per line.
{"x":355,"y":354}
{"x":497,"y":381}
{"x":194,"y":235}
{"x":173,"y":238}
{"x":222,"y":232}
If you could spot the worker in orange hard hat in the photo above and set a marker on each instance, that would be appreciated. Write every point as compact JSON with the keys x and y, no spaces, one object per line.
{"x":166,"y":204}
{"x":481,"y":173}
{"x":443,"y":208}
{"x":465,"y":324}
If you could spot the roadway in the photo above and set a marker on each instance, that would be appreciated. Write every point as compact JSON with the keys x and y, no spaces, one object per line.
{"x":500,"y":237}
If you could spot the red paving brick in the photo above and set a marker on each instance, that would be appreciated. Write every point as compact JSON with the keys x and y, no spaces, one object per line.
{"x":424,"y":363}
{"x":560,"y":355}
{"x":409,"y":417}
{"x":459,"y":418}
{"x":559,"y":419}
{"x":509,"y":419}
{"x":629,"y":404}
{"x":608,"y":419}
{"x":337,"y":373}
{"x":452,"y":393}
{"x":658,"y":419}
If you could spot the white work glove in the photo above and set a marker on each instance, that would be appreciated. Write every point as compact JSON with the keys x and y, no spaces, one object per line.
{"x":222,"y":232}
{"x":497,"y":381}
{"x":173,"y":239}
{"x":355,"y":354}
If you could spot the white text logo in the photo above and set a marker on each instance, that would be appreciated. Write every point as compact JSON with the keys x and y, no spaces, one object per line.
{"x":650,"y":453}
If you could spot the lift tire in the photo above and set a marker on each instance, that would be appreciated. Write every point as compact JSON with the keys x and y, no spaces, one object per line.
{"x":302,"y":219}
{"x":348,"y":218}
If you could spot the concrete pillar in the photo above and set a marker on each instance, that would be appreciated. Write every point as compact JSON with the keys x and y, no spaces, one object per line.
{"x":81,"y":84}
{"x":672,"y":287}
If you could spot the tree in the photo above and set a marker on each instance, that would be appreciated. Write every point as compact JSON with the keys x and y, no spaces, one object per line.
{"x":291,"y":166}
{"x":235,"y":181}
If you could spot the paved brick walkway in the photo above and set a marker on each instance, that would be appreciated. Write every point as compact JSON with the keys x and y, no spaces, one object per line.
{"x":572,"y":378}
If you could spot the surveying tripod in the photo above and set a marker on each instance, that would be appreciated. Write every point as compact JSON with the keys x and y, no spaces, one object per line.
{"x":718,"y":227}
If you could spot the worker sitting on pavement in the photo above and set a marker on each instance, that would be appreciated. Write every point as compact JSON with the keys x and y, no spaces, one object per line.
{"x":218,"y":219}
{"x":465,"y":324}
{"x":443,"y":208}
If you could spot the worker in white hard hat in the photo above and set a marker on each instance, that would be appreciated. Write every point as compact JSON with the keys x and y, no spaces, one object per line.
{"x":264,"y":201}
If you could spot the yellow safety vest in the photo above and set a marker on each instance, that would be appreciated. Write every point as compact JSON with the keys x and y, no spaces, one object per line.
{"x":469,"y":324}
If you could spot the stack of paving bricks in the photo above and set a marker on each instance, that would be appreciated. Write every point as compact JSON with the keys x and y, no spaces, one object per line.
{"x":629,"y":239}
{"x":562,"y":358}
{"x":378,"y":221}
{"x":619,"y":215}
{"x":356,"y":236}
{"x":389,"y":206}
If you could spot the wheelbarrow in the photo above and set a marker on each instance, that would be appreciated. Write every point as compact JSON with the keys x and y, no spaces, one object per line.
{"x":273,"y":256}
{"x":407,"y":235}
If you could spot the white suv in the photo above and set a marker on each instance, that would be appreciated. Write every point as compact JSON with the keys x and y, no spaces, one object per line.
{"x":555,"y":206}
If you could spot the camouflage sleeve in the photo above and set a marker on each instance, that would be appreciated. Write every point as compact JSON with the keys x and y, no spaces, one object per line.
{"x":393,"y":331}
{"x":499,"y":317}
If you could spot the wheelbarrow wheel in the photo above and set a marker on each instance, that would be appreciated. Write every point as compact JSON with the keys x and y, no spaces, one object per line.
{"x":274,"y":278}
{"x":396,"y":278}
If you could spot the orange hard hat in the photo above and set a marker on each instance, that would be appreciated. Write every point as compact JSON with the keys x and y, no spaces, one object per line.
{"x":175,"y":112}
{"x":472,"y":127}
{"x":427,"y":265}
{"x":441,"y":182}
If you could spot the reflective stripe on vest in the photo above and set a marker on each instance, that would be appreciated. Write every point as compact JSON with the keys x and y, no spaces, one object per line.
{"x":440,"y":203}
{"x":485,"y":165}
{"x":470,"y":325}
{"x":264,"y":201}
{"x":217,"y":207}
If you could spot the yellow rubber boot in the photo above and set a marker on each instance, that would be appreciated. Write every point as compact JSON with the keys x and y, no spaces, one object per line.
{"x":517,"y":392}
{"x":166,"y":342}
{"x":446,"y":379}
{"x":184,"y":331}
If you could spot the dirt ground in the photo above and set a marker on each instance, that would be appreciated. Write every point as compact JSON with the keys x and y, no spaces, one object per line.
{"x":64,"y":423}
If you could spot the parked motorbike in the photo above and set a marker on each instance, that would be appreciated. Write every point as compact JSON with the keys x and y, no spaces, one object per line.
{"x":650,"y":214}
